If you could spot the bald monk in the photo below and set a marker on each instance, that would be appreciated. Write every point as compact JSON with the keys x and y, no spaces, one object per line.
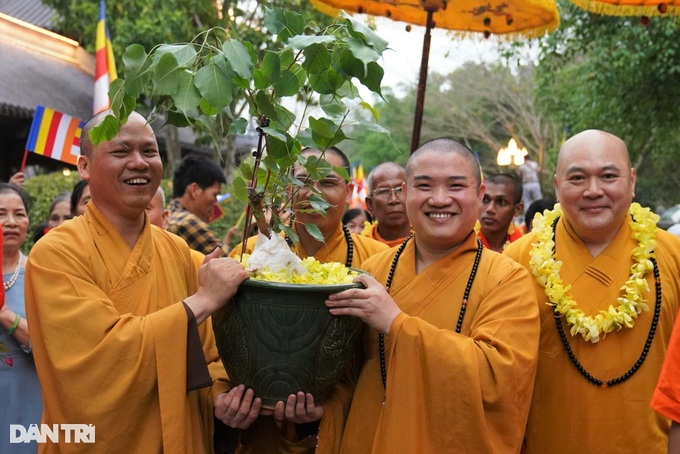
{"x":451,"y":353}
{"x":385,"y":201}
{"x":119,"y":314}
{"x":268,"y":434}
{"x":158,"y":214}
{"x":601,"y":406}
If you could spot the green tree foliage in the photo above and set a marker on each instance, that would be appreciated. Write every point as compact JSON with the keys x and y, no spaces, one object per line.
{"x":372,"y":148}
{"x":482,"y":105}
{"x":146,"y":22}
{"x":150,"y":23}
{"x":616,"y":74}
{"x":43,"y":189}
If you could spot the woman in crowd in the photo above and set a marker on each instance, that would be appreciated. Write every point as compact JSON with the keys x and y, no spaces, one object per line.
{"x":19,"y":386}
{"x":355,"y":220}
{"x":79,"y":198}
{"x":60,"y":210}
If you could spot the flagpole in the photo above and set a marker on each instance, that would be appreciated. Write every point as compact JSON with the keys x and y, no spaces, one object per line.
{"x":23,"y":161}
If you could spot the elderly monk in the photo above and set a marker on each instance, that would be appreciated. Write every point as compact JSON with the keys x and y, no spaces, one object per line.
{"x":451,"y":356}
{"x":268,"y":434}
{"x":386,"y":202}
{"x":158,"y":214}
{"x":605,"y":319}
{"x":119,"y":313}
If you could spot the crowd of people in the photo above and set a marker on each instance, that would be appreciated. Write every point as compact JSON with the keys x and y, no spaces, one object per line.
{"x":481,"y":336}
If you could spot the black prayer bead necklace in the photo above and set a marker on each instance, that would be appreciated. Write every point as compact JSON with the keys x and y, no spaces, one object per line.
{"x":463,"y":307}
{"x":645,"y":350}
{"x":350,"y":246}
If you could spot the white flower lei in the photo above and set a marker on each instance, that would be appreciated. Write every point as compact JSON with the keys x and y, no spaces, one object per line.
{"x":546,"y":267}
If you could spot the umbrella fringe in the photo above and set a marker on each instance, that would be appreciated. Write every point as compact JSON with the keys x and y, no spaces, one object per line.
{"x":602,"y":8}
{"x":506,"y":37}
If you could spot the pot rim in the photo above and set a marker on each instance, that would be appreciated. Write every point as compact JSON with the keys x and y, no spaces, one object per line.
{"x":332,"y":288}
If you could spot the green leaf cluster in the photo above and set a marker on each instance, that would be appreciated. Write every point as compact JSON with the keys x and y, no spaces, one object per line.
{"x":43,"y":189}
{"x":194,"y":83}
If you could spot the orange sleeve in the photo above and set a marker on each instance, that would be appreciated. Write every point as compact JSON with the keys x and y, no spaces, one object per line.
{"x":666,"y":397}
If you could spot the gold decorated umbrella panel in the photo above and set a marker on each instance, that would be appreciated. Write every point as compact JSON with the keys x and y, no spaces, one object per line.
{"x":645,"y":8}
{"x":510,"y":19}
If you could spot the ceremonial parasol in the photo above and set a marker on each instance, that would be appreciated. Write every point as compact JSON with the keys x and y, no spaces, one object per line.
{"x":645,"y":8}
{"x":510,"y":18}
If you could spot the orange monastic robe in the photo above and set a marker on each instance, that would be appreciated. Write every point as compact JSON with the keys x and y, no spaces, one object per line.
{"x":109,"y":334}
{"x":666,"y":398}
{"x":373,"y":233}
{"x":568,"y":413}
{"x":448,"y":392}
{"x":264,"y":436}
{"x":514,"y":234}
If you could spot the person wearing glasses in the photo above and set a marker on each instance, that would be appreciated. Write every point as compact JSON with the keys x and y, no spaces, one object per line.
{"x":386,"y":203}
{"x":262,"y":433}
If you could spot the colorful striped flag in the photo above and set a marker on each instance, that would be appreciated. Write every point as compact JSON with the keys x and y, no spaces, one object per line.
{"x":105,"y":64}
{"x":359,"y":192}
{"x":55,"y":135}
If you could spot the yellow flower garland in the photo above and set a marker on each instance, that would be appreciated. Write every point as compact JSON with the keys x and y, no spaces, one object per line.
{"x":546,"y":267}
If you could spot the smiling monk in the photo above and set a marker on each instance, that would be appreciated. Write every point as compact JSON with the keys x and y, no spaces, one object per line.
{"x":595,"y":259}
{"x":119,"y":314}
{"x":451,"y":354}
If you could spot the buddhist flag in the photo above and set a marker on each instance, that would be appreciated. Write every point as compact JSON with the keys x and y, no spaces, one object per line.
{"x":55,"y":135}
{"x":105,"y":64}
{"x":359,"y":192}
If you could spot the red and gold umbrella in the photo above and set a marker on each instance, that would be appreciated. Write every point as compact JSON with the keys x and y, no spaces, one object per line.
{"x":511,"y":19}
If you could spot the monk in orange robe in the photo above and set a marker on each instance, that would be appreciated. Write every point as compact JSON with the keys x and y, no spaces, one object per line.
{"x":276,"y":434}
{"x":119,"y":314}
{"x":451,"y":353}
{"x":666,"y":397}
{"x":601,"y":406}
{"x":385,"y":201}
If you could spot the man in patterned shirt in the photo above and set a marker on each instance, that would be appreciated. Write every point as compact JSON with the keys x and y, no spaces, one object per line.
{"x":196,"y":184}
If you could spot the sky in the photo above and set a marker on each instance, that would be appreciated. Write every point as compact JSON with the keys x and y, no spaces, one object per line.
{"x":401,"y":61}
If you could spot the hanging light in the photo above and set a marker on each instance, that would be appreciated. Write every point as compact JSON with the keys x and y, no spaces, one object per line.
{"x":512,"y":154}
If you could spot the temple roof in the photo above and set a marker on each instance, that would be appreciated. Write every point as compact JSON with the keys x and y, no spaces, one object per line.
{"x":34,"y":12}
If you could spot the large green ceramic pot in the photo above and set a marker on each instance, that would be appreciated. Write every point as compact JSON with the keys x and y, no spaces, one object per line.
{"x":280,"y":339}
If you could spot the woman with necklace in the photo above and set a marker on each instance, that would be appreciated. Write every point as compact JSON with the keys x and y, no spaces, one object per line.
{"x":19,"y":386}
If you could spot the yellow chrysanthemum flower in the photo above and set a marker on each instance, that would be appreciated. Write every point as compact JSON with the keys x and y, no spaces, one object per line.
{"x":317,"y":273}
